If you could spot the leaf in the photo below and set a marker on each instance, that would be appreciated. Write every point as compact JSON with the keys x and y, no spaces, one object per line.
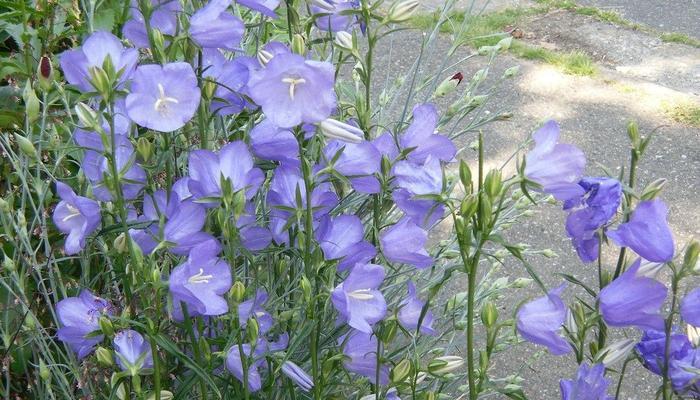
{"x":167,"y":345}
{"x":575,"y":281}
{"x":104,"y":20}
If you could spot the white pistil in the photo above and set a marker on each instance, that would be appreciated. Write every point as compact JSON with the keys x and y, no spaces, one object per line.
{"x":293,"y":82}
{"x":161,"y":105}
{"x":74,"y":212}
{"x":361,"y":294}
{"x":200,"y":277}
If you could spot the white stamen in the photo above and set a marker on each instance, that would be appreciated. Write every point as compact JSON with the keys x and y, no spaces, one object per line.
{"x":161,"y":105}
{"x":361,"y":294}
{"x":293,"y":82}
{"x":74,"y":212}
{"x":200,"y":277}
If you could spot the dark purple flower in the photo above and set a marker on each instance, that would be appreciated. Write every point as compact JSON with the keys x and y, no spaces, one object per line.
{"x":410,"y":311}
{"x":201,"y":282}
{"x":683,"y":372}
{"x":298,"y":375}
{"x":356,"y":161}
{"x":690,"y":307}
{"x":647,"y":232}
{"x":163,"y":98}
{"x":404,"y":242}
{"x":76,"y":63}
{"x":361,"y":350}
{"x":590,"y":212}
{"x":272,"y":143}
{"x":556,"y":166}
{"x":230,"y":76}
{"x":540,"y":321}
{"x":132,"y":351}
{"x":214,"y":27}
{"x":357,"y":299}
{"x":292,"y":90}
{"x":652,"y":349}
{"x":632,"y":300}
{"x":342,"y":238}
{"x":75,"y":216}
{"x":422,"y":137}
{"x":183,"y":225}
{"x":266,"y":7}
{"x":253,"y":308}
{"x":590,"y":384}
{"x":163,"y":18}
{"x":332,"y":18}
{"x":80,"y":316}
{"x":419,"y":179}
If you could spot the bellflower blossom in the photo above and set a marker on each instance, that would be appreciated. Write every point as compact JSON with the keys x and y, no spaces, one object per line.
{"x":418,"y":180}
{"x":254,"y":359}
{"x":163,"y":98}
{"x":76,"y":63}
{"x":647,"y":232}
{"x":342,"y":238}
{"x":269,"y":142}
{"x":163,"y":18}
{"x":233,"y":162}
{"x":292,"y":90}
{"x":356,"y":161}
{"x":590,"y":212}
{"x":298,"y":376}
{"x":265,"y":7}
{"x":252,"y":236}
{"x":590,"y":384}
{"x":357,"y":299}
{"x":633,"y":300}
{"x":184,"y":221}
{"x":361,"y":350}
{"x":556,"y":166}
{"x":231,"y":77}
{"x":201,"y":282}
{"x":422,"y":212}
{"x":253,"y":308}
{"x":652,"y":349}
{"x":690,"y":307}
{"x":422,"y":137}
{"x":132,"y":351}
{"x":213,"y":27}
{"x":683,"y":375}
{"x":410,"y":311}
{"x":332,"y":19}
{"x":404,"y":242}
{"x":540,"y":321}
{"x":78,"y":317}
{"x":76,"y":216}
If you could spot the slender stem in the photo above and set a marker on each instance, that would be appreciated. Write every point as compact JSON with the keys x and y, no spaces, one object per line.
{"x":628,"y":209}
{"x":622,"y":376}
{"x":667,"y":393}
{"x":156,"y":368}
{"x":195,"y":346}
{"x":602,"y":328}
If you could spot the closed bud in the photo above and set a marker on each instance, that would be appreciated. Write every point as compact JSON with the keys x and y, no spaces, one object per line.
{"x":238,"y":292}
{"x":209,"y":89}
{"x":690,"y":260}
{"x":633,"y":134}
{"x":489,"y":314}
{"x":570,"y":323}
{"x":26,"y":146}
{"x":156,"y":276}
{"x":653,"y":189}
{"x":649,"y":269}
{"x":403,"y":10}
{"x":252,"y":330}
{"x":8,"y":264}
{"x":485,"y":211}
{"x":144,"y":148}
{"x":87,"y":116}
{"x":504,"y":44}
{"x":238,"y":203}
{"x":44,"y":372}
{"x":615,"y":352}
{"x":100,"y":81}
{"x":549,"y":253}
{"x":344,"y":40}
{"x":205,"y":349}
{"x":401,"y":371}
{"x":445,"y":364}
{"x":521,"y":283}
{"x":511,"y":72}
{"x":264,"y":57}
{"x":469,"y":206}
{"x":4,"y":207}
{"x":106,"y":326}
{"x":104,"y":357}
{"x":339,"y":130}
{"x":120,"y":244}
{"x":32,"y":106}
{"x":448,"y":85}
{"x":493,"y":183}
{"x":45,"y":73}
{"x":389,"y":331}
{"x":298,"y":44}
{"x":465,"y":175}
{"x":480,"y":75}
{"x":693,"y":335}
{"x":158,"y":40}
{"x":305,"y":289}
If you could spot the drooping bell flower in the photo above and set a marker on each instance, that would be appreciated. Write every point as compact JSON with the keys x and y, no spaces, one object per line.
{"x":163,"y":98}
{"x":253,"y":236}
{"x":270,"y":142}
{"x":214,"y":27}
{"x":647,"y":233}
{"x":590,"y":384}
{"x":652,"y":349}
{"x":357,"y":298}
{"x":298,"y":376}
{"x":97,"y":47}
{"x":690,"y":307}
{"x":265,"y":7}
{"x":332,"y":17}
{"x":230,"y":77}
{"x":540,"y":321}
{"x":361,"y":350}
{"x":253,"y":308}
{"x":342,"y":238}
{"x":419,"y":179}
{"x":183,"y":225}
{"x":234,"y":365}
{"x":558,"y":167}
{"x":132,"y":351}
{"x":201,"y":282}
{"x":683,"y":374}
{"x":422,"y":212}
{"x":422,"y":137}
{"x":356,"y":161}
{"x":410,"y":311}
{"x":633,"y":300}
{"x":75,"y":216}
{"x":78,"y":317}
{"x":292,"y":90}
{"x":404,"y":242}
{"x":163,"y":19}
{"x":590,"y":212}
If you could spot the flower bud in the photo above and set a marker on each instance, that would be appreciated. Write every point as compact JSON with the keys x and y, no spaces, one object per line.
{"x":339,"y":130}
{"x":693,"y":334}
{"x":344,"y":40}
{"x":238,"y":291}
{"x":448,"y":85}
{"x":401,"y":371}
{"x":570,"y":323}
{"x":653,"y":189}
{"x":104,"y":357}
{"x":489,"y":314}
{"x":521,"y":283}
{"x":465,"y":175}
{"x":45,"y":73}
{"x":298,"y":44}
{"x":156,"y":276}
{"x":633,"y":134}
{"x":511,"y":72}
{"x":32,"y":105}
{"x":144,"y":148}
{"x":44,"y":372}
{"x":106,"y":326}
{"x":493,"y":183}
{"x":100,"y":80}
{"x":690,"y":260}
{"x":8,"y":264}
{"x":389,"y":332}
{"x":445,"y":364}
{"x":549,"y":253}
{"x":504,"y":44}
{"x":4,"y":207}
{"x":264,"y":57}
{"x":615,"y":352}
{"x":87,"y":116}
{"x":305,"y":289}
{"x":120,"y":244}
{"x":26,"y":146}
{"x":403,"y":10}
{"x":469,"y":206}
{"x":252,"y":330}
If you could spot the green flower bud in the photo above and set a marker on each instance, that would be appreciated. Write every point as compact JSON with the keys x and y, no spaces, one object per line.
{"x":469,"y":206}
{"x":344,"y":40}
{"x":402,"y":10}
{"x":26,"y":146}
{"x":633,"y":134}
{"x":120,"y":244}
{"x":465,"y":176}
{"x":298,"y":44}
{"x":445,"y":364}
{"x":106,"y":326}
{"x":44,"y":372}
{"x":144,"y":148}
{"x":489,"y":314}
{"x":100,"y":80}
{"x":237,"y":292}
{"x":511,"y":72}
{"x":401,"y":371}
{"x":521,"y":283}
{"x":690,"y":260}
{"x":104,"y":357}
{"x":305,"y":288}
{"x":252,"y":330}
{"x":87,"y":116}
{"x":448,"y":85}
{"x":549,"y":253}
{"x":32,"y":106}
{"x":45,"y":73}
{"x":653,"y":189}
{"x":493,"y":183}
{"x":8,"y":264}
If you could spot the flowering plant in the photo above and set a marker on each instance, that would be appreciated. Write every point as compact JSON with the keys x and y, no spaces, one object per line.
{"x":212,"y":202}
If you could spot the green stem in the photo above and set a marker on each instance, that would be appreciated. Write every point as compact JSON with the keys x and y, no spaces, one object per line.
{"x":667,"y":392}
{"x":195,"y":346}
{"x":628,"y":209}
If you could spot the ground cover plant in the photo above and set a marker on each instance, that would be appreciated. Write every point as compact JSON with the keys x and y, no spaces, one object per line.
{"x":209,"y":200}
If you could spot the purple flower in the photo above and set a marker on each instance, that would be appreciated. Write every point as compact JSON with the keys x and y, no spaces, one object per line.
{"x":76,"y":63}
{"x":266,"y":7}
{"x":361,"y":350}
{"x":213,"y":27}
{"x":540,"y":321}
{"x":163,"y":18}
{"x":334,"y":20}
{"x":342,"y":238}
{"x":556,"y":166}
{"x":76,"y":216}
{"x":410,"y":312}
{"x":422,"y":212}
{"x":183,"y":225}
{"x":292,"y":90}
{"x":96,"y":167}
{"x":132,"y":351}
{"x":298,"y":376}
{"x":421,"y":136}
{"x":419,"y":179}
{"x":590,"y":212}
{"x":163,"y":98}
{"x":652,"y":349}
{"x":231,"y":77}
{"x":405,"y":243}
{"x":234,"y":365}
{"x":647,"y":232}
{"x":253,"y":308}
{"x":683,"y":373}
{"x":357,"y":299}
{"x":356,"y":161}
{"x":253,"y":237}
{"x":690,"y":307}
{"x":632,"y":300}
{"x":233,"y":162}
{"x":201,"y":282}
{"x":386,"y":144}
{"x":590,"y":384}
{"x":79,"y":316}
{"x":272,"y":143}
